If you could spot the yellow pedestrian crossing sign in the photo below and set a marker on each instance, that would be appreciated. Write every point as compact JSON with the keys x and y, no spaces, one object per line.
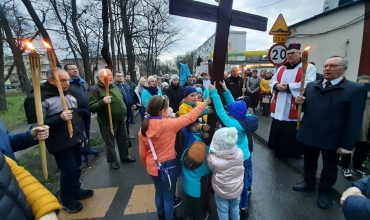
{"x":280,"y":27}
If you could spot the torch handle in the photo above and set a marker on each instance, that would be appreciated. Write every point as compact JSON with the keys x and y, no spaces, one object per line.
{"x":110,"y":119}
{"x":52,"y":60}
{"x":36,"y":78}
{"x":301,"y":93}
{"x":109,"y":109}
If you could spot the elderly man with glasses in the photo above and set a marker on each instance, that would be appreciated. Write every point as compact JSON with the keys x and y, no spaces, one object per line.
{"x":333,"y":111}
{"x":285,"y":86}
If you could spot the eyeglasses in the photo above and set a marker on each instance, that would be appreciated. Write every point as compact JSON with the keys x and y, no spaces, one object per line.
{"x":73,"y":69}
{"x":291,"y":53}
{"x":331,"y":66}
{"x":153,"y":81}
{"x":118,"y":76}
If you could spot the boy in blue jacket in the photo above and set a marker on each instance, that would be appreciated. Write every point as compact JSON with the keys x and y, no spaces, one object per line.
{"x":244,"y":124}
{"x":196,"y":174}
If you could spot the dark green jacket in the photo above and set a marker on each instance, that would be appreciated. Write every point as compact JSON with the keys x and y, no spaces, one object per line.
{"x":96,"y":103}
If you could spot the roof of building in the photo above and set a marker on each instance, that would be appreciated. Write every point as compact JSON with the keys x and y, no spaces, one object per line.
{"x":351,"y":4}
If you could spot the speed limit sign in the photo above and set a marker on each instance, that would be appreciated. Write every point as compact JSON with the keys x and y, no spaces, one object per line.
{"x":277,"y":54}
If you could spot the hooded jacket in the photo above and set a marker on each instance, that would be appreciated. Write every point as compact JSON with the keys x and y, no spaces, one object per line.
{"x":52,"y":107}
{"x":18,"y":188}
{"x":227,"y":172}
{"x":162,"y":132}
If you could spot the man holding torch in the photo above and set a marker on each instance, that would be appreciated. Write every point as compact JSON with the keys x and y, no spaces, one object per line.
{"x":285,"y":85}
{"x":111,"y":116}
{"x":333,"y":110}
{"x":60,"y":144}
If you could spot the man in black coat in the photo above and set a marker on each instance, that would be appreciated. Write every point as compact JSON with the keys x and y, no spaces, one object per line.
{"x":79,"y":89}
{"x":65,"y":149}
{"x":333,"y":110}
{"x":235,"y":83}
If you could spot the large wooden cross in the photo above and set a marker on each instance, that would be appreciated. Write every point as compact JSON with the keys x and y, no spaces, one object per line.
{"x":224,"y":16}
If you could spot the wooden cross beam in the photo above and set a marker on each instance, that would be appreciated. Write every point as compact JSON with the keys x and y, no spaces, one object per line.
{"x":224,"y":16}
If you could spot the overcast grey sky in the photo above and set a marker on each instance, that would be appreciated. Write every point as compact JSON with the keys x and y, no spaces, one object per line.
{"x":197,"y":32}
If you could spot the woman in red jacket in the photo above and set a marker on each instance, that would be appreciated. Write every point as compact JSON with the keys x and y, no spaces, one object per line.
{"x":162,"y":132}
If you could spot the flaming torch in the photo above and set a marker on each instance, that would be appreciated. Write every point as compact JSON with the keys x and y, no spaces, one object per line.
{"x":304,"y":68}
{"x":52,"y":62}
{"x":106,"y":83}
{"x":36,"y":79}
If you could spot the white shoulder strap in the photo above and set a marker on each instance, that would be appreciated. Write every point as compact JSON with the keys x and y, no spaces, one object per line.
{"x":152,"y":148}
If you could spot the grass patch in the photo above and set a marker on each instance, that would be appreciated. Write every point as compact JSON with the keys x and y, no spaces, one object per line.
{"x":33,"y":154}
{"x":95,"y":143}
{"x":15,"y":114}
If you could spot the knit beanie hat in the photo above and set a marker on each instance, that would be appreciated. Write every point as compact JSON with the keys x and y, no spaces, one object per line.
{"x":173,"y":77}
{"x":164,"y":84}
{"x":197,"y":152}
{"x":224,"y":139}
{"x":237,"y":109}
{"x":188,"y":90}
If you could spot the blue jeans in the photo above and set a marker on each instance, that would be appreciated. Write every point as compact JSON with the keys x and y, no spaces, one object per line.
{"x":226,"y":205}
{"x":142,"y":112}
{"x":164,"y":196}
{"x":244,"y":200}
{"x":69,"y":162}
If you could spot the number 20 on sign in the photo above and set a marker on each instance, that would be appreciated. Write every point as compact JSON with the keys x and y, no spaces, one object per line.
{"x":279,"y":38}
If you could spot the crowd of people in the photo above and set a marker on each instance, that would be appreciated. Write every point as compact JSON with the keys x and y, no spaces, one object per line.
{"x":176,"y":139}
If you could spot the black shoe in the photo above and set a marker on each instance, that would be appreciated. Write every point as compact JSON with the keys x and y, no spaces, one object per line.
{"x":177,"y":203}
{"x":244,"y":214}
{"x":129,"y":159}
{"x":303,"y":187}
{"x":114,"y":165}
{"x":161,"y":217}
{"x":84,"y":194}
{"x":72,"y":207}
{"x":132,"y":122}
{"x":323,"y":201}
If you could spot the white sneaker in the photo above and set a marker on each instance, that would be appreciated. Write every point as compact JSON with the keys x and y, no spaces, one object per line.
{"x":346,"y":172}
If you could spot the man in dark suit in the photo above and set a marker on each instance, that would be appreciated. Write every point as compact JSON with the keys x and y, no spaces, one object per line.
{"x":318,"y":75}
{"x":333,"y":110}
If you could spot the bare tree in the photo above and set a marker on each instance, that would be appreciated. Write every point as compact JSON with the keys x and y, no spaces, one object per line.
{"x":3,"y":106}
{"x":14,"y":46}
{"x":158,"y":32}
{"x":39,"y":24}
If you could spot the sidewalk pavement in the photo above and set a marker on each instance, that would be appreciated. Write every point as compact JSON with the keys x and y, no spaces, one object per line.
{"x":262,"y":135}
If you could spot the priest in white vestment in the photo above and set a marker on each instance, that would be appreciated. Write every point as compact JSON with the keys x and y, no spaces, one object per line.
{"x":285,"y":86}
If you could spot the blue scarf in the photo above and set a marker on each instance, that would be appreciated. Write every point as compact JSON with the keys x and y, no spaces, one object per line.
{"x":152,"y":90}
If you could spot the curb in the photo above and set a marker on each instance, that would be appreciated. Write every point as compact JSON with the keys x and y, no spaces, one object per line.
{"x":335,"y":193}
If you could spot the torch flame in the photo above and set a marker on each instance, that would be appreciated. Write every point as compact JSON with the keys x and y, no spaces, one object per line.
{"x":46,"y":44}
{"x":105,"y":73}
{"x":29,"y":45}
{"x":307,"y":48}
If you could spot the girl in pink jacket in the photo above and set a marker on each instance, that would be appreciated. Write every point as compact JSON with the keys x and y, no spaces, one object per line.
{"x":162,"y":132}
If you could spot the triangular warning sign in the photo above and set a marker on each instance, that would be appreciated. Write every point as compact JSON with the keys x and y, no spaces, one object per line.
{"x":280,"y":27}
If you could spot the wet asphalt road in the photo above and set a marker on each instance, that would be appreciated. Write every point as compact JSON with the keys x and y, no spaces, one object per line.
{"x":272,"y":195}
